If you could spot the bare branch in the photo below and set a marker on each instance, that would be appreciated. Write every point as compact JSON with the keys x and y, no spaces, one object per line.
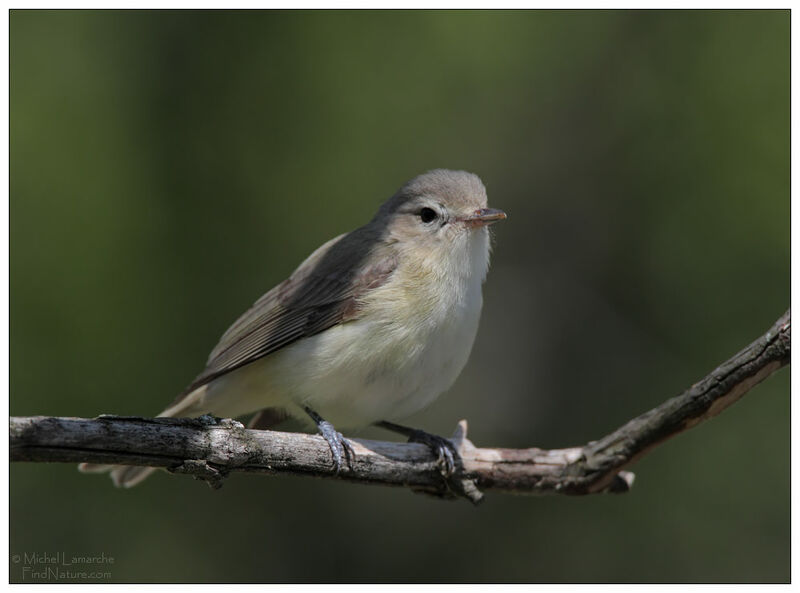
{"x":210,"y":448}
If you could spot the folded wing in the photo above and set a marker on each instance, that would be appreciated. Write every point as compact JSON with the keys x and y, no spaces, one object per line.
{"x":324,"y":291}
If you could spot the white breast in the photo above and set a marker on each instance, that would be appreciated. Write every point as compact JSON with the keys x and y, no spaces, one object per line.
{"x":409,"y":346}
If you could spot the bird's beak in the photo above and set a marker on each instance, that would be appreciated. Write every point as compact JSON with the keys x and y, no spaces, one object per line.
{"x":484,"y":217}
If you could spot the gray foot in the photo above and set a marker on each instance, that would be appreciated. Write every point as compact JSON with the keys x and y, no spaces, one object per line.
{"x":442,"y":448}
{"x":340,"y":448}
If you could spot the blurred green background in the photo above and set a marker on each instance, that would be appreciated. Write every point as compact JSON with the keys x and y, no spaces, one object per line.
{"x":169,"y":167}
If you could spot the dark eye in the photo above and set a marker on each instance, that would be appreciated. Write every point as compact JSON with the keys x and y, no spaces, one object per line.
{"x":427,"y":215}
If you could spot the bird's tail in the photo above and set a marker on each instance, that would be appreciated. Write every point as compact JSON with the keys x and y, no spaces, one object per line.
{"x":127,"y":476}
{"x":123,"y":476}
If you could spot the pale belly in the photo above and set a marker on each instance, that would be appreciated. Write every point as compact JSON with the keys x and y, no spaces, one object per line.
{"x":359,"y":372}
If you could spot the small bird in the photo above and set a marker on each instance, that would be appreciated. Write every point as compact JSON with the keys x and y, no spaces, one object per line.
{"x":372,"y":327}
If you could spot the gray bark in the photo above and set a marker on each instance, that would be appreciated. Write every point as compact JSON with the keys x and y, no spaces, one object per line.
{"x":209,"y":448}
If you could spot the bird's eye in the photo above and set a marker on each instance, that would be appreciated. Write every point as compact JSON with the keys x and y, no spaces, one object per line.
{"x":427,"y":215}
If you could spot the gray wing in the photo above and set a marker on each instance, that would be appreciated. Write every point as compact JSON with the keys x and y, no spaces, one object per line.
{"x":324,"y":291}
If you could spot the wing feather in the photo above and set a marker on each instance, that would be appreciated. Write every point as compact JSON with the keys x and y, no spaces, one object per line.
{"x":324,"y":291}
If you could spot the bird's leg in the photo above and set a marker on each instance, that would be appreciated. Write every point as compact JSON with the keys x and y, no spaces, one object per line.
{"x":338,"y":444}
{"x":442,"y":448}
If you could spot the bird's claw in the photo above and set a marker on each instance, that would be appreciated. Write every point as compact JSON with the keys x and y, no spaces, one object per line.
{"x":442,"y":448}
{"x":340,"y":447}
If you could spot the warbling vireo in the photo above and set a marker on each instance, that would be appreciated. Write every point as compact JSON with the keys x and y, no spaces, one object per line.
{"x":372,"y":327}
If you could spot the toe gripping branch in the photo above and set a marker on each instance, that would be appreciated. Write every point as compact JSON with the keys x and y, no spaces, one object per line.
{"x":340,"y":447}
{"x":448,"y":459}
